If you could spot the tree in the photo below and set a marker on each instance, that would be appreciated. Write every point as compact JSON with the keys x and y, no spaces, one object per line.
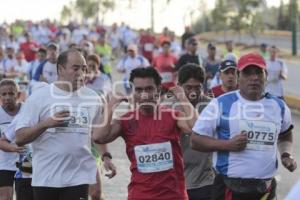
{"x":256,"y":25}
{"x":218,"y":16}
{"x":88,"y":9}
{"x":65,"y":13}
{"x":244,"y":13}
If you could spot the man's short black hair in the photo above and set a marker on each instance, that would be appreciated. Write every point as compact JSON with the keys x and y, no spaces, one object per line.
{"x":42,"y":50}
{"x":148,"y":72}
{"x":189,"y":71}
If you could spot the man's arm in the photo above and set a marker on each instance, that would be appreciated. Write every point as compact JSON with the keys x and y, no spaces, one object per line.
{"x":208,"y":144}
{"x":106,"y":158}
{"x":189,"y":115}
{"x":284,"y":144}
{"x":7,"y":146}
{"x":27,"y":135}
{"x":107,"y":131}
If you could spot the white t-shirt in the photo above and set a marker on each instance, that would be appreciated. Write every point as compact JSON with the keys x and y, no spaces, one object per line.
{"x":9,"y":64}
{"x":176,"y":49}
{"x":22,"y":67}
{"x":294,"y":193}
{"x":10,"y":135}
{"x":274,"y":83}
{"x":62,"y":156}
{"x":50,"y":72}
{"x":263,"y":121}
{"x":128,"y":64}
{"x":7,"y":160}
{"x":101,"y":84}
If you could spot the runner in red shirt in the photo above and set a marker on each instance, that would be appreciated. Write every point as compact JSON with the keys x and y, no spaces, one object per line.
{"x":228,"y":76}
{"x":29,"y":48}
{"x":164,"y":36}
{"x":165,"y":64}
{"x":151,"y":134}
{"x":147,"y":43}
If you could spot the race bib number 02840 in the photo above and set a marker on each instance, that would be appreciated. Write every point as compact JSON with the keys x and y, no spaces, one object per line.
{"x":154,"y":157}
{"x":261,"y":134}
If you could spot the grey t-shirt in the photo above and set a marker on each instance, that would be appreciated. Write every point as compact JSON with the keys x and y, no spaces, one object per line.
{"x":198,"y":168}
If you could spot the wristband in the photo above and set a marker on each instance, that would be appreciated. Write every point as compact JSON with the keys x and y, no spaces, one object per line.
{"x":106,"y":154}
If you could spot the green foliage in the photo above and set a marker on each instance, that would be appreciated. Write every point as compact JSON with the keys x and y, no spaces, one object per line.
{"x":65,"y":13}
{"x":88,"y":9}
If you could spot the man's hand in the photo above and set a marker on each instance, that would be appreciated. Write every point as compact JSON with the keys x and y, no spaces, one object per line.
{"x":238,"y":142}
{"x":178,"y":92}
{"x":109,"y":166}
{"x":16,"y":148}
{"x":58,"y":119}
{"x":289,"y":163}
{"x":115,"y":100}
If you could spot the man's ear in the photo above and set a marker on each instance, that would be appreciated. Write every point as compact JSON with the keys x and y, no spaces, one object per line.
{"x":266,"y":74}
{"x":19,"y":94}
{"x":59,"y":69}
{"x":159,"y":89}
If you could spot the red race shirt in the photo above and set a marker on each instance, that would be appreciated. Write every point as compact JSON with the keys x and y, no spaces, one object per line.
{"x":147,"y":43}
{"x":150,"y":142}
{"x":217,"y":91}
{"x":28,"y":50}
{"x":165,"y":64}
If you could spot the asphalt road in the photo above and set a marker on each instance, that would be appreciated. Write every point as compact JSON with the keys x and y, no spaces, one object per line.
{"x":291,"y":85}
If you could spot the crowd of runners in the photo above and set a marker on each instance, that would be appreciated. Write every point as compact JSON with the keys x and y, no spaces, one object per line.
{"x":199,"y":122}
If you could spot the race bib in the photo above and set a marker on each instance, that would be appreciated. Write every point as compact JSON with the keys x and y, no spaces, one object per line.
{"x":166,"y":77}
{"x":78,"y":122}
{"x":261,"y":134}
{"x":148,"y":47}
{"x":154,"y":157}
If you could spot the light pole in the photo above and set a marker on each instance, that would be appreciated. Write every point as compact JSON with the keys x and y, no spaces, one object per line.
{"x":294,"y":6}
{"x":152,"y":15}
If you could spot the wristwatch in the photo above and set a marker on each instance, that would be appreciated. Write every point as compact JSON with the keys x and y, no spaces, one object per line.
{"x":106,"y":154}
{"x":286,"y":155}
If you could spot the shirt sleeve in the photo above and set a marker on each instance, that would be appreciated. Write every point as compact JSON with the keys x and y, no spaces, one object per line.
{"x":99,"y":111}
{"x":146,"y":62}
{"x":10,"y":132}
{"x":207,"y":121}
{"x":30,"y":113}
{"x":38,"y":72}
{"x":287,"y":120}
{"x":284,"y":70}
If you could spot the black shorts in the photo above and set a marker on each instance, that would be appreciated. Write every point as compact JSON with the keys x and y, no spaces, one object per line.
{"x":79,"y":192}
{"x":7,"y":178}
{"x":203,"y":193}
{"x":23,"y":189}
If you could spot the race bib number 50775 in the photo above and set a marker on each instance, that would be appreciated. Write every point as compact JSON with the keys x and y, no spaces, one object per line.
{"x":261,"y":134}
{"x":154,"y":157}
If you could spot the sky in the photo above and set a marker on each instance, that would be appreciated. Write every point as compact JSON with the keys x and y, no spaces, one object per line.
{"x":174,"y":15}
